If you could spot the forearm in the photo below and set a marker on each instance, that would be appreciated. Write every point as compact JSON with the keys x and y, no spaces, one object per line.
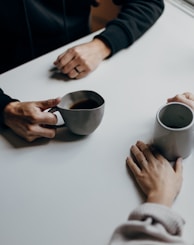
{"x":151,"y":223}
{"x":134,"y":19}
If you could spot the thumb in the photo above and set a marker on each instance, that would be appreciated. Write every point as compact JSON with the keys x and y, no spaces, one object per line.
{"x":46,"y":104}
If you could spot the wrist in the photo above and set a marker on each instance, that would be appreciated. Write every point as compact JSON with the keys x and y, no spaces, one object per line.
{"x":160,"y":198}
{"x":4,"y":107}
{"x":10,"y":108}
{"x":4,"y":101}
{"x":9,"y":111}
{"x":104,"y":49}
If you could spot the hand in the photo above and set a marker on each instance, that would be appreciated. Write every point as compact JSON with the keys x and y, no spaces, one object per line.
{"x":186,"y":98}
{"x":27,"y":119}
{"x":158,"y":180}
{"x":77,"y":62}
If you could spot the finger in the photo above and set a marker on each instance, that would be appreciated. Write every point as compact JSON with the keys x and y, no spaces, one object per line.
{"x":187,"y":98}
{"x":46,"y":118}
{"x":189,"y":95}
{"x":42,"y":118}
{"x":68,"y":67}
{"x":157,"y":154}
{"x":46,"y":104}
{"x":145,"y":150}
{"x":47,"y":133}
{"x":160,"y":158}
{"x":29,"y":136}
{"x":139,"y":156}
{"x":38,"y":131}
{"x":79,"y":68}
{"x":62,"y":55}
{"x":133,"y":166}
{"x":33,"y":132}
{"x":184,"y":98}
{"x":82,"y":74}
{"x":73,"y":73}
{"x":176,"y":98}
{"x":64,"y":59}
{"x":171,"y":99}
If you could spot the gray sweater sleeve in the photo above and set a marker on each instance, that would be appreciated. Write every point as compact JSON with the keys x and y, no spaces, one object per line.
{"x":150,"y":224}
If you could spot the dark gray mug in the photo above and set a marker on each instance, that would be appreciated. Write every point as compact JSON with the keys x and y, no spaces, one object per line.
{"x":173,"y":134}
{"x":81,"y":111}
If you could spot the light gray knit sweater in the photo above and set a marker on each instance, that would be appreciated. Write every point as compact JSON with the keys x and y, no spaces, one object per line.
{"x":150,"y":224}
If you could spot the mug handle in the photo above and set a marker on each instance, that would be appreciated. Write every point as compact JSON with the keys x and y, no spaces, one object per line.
{"x":60,"y":121}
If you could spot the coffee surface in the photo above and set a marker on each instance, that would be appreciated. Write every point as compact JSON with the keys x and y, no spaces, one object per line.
{"x":85,"y":104}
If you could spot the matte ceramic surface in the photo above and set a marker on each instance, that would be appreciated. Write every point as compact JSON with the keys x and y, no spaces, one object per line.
{"x":85,"y":120}
{"x":173,"y":134}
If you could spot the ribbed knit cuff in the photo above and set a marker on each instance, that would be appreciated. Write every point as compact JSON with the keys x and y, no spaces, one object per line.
{"x":164,"y":215}
{"x":115,"y":38}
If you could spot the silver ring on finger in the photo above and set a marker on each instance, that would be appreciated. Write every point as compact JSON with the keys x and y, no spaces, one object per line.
{"x":77,"y":69}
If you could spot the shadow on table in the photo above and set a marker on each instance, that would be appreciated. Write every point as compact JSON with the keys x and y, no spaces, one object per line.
{"x":57,"y":75}
{"x":62,"y":135}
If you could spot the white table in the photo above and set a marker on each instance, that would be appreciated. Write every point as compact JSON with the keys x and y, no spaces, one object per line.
{"x":76,"y":190}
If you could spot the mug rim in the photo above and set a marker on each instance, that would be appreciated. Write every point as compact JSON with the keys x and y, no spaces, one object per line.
{"x":175,"y":129}
{"x":84,"y":109}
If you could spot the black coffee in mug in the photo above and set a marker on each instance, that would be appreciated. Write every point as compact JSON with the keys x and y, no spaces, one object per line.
{"x":85,"y":104}
{"x":173,"y":132}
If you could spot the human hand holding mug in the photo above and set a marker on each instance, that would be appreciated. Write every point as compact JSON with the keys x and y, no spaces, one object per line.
{"x":186,"y":98}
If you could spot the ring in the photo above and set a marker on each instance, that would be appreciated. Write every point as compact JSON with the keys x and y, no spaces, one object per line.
{"x":76,"y":69}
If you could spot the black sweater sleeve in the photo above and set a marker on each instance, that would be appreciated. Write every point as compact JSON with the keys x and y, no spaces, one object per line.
{"x":4,"y":100}
{"x":133,"y":20}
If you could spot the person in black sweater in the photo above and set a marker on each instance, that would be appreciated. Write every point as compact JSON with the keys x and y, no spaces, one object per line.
{"x":31,"y":28}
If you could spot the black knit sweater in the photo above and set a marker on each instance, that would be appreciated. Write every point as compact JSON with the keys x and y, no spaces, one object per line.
{"x":31,"y":28}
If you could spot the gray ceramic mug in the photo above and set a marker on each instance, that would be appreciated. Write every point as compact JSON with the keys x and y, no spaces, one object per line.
{"x":81,"y":111}
{"x":173,"y":134}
